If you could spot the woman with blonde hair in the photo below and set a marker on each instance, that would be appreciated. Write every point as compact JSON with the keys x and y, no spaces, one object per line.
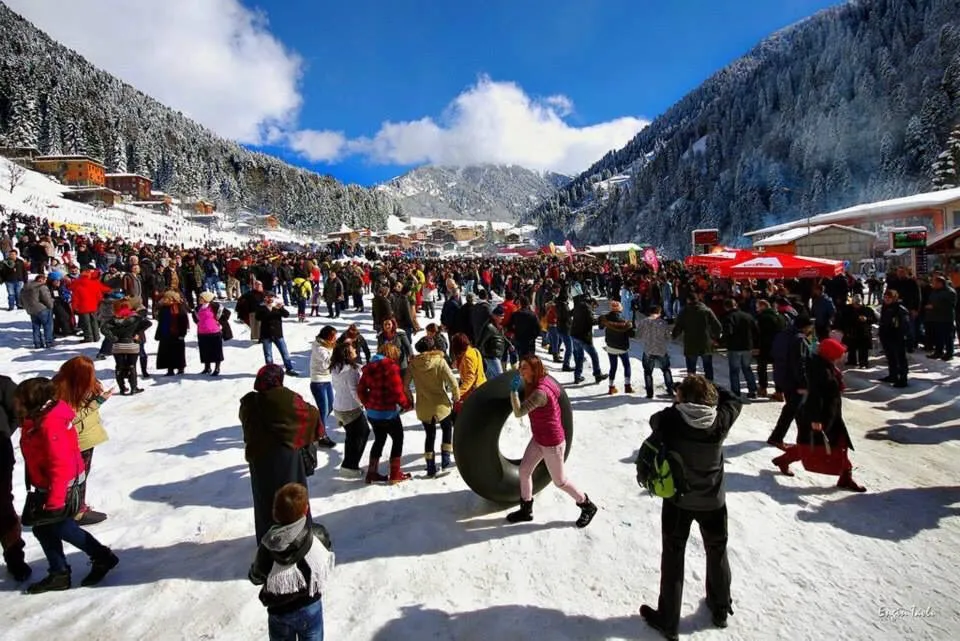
{"x":541,"y":403}
{"x":77,"y":385}
{"x":172,"y":325}
{"x":382,"y":393}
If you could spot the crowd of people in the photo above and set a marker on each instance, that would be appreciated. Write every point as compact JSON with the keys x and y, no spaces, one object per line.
{"x":494,"y":315}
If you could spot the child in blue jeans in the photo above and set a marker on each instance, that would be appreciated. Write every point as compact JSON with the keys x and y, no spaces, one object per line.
{"x":293,"y":569}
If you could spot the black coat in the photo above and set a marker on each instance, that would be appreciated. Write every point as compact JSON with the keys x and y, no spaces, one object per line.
{"x":8,"y":422}
{"x":823,"y":405}
{"x":582,"y":326}
{"x":449,"y":314}
{"x":271,"y":321}
{"x":701,"y":450}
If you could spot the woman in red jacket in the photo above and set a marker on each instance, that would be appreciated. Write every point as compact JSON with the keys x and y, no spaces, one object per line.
{"x":51,"y":454}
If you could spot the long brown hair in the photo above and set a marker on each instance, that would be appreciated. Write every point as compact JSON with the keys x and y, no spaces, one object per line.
{"x":76,"y":382}
{"x":539,"y":371}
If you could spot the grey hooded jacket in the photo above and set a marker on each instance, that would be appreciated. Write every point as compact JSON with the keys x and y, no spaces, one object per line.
{"x":696,"y":433}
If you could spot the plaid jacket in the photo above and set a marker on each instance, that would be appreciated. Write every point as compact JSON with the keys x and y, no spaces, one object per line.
{"x":381,"y":387}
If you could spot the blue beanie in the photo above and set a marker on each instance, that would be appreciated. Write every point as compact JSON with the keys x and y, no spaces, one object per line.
{"x":55,"y":276}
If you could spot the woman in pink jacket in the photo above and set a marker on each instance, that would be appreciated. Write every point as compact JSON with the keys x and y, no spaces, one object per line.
{"x":51,"y":454}
{"x":209,"y":334}
{"x":542,"y":404}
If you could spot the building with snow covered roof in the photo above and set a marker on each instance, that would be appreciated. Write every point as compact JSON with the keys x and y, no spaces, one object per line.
{"x":836,"y":242}
{"x":134,"y":185}
{"x":938,"y":211}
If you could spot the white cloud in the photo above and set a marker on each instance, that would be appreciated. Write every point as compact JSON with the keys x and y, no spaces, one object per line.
{"x":496,"y":122}
{"x":218,"y":63}
{"x":214,"y":60}
{"x":318,"y":146}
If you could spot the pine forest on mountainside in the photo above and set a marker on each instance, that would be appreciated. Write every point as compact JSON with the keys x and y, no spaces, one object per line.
{"x":852,"y":105}
{"x":53,"y":99}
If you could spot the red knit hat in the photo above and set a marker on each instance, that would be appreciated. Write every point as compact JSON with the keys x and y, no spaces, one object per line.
{"x":831,"y":349}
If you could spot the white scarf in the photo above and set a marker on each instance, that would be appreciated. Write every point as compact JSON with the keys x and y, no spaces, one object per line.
{"x":288,"y":579}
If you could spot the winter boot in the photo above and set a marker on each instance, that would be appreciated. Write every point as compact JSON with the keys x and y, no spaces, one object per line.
{"x":53,"y":582}
{"x":373,"y":474}
{"x":396,"y":475}
{"x":524,"y":514}
{"x":447,"y":450}
{"x":431,"y":464}
{"x":216,"y":370}
{"x":613,"y":390}
{"x":206,"y":368}
{"x":628,"y":389}
{"x":652,"y":618}
{"x":88,"y":516}
{"x":100,"y":567}
{"x":16,"y":564}
{"x":719,"y":616}
{"x":587,"y":511}
{"x":784,"y":464}
{"x":132,"y":379}
{"x":846,"y":482}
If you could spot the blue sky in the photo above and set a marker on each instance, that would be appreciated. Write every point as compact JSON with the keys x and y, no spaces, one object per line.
{"x":366,"y":89}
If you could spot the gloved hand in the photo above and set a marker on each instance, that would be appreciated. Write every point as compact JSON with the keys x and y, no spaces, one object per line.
{"x":516,"y":383}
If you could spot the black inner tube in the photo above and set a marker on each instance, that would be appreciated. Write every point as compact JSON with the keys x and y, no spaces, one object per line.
{"x":476,"y":443}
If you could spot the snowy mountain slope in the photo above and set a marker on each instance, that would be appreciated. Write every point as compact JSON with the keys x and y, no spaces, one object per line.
{"x":480,"y":192}
{"x":849,"y":106}
{"x":428,"y":559}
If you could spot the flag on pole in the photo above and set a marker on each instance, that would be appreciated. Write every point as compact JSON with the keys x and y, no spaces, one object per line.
{"x":553,"y":248}
{"x":632,"y":255}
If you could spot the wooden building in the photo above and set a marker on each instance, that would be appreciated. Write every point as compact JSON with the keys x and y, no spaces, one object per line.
{"x":82,"y":171}
{"x":93,"y":195}
{"x":134,"y":185}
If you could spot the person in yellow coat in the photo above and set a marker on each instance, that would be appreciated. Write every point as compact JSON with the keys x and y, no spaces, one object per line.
{"x":77,"y":385}
{"x":469,"y":363}
{"x":435,"y":384}
{"x":302,"y":292}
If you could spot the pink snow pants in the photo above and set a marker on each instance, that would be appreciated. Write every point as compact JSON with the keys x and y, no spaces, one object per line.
{"x":552,"y":455}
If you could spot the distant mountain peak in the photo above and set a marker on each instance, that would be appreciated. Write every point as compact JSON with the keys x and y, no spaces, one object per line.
{"x":501,"y":193}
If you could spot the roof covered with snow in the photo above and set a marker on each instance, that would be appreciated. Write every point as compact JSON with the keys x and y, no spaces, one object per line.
{"x":894,"y":206}
{"x":127,"y":176}
{"x":617,"y":248}
{"x":797,"y":233}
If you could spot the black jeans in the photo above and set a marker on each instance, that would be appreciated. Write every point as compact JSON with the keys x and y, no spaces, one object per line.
{"x":788,"y":413}
{"x":763,"y":373}
{"x":675,"y":530}
{"x":391,"y":427}
{"x":446,"y":433}
{"x":896,"y":353}
{"x":358,"y":431}
{"x":10,"y":531}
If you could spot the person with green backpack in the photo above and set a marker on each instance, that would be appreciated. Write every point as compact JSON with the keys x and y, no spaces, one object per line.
{"x":682,"y":463}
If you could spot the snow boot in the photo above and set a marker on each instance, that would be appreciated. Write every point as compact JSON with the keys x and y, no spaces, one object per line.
{"x":431,"y":464}
{"x":587,"y":511}
{"x":216,"y":370}
{"x":613,"y":390}
{"x":206,"y":368}
{"x":446,"y":451}
{"x":396,"y":475}
{"x":86,"y":516}
{"x":524,"y":514}
{"x":53,"y":582}
{"x":101,"y":566}
{"x":373,"y":473}
{"x":719,"y":616}
{"x":784,"y":464}
{"x":326,"y":442}
{"x":16,"y":564}
{"x":652,"y":618}
{"x":846,"y":482}
{"x":628,"y":389}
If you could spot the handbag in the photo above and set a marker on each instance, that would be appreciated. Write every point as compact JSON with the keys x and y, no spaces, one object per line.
{"x":823,"y":459}
{"x":310,"y":459}
{"x":34,"y":513}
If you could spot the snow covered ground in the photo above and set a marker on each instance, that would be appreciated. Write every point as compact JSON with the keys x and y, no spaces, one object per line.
{"x":428,"y":559}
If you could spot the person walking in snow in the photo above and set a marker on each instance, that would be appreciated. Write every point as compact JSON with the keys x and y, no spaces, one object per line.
{"x":209,"y":333}
{"x":384,"y":396}
{"x":820,"y":418}
{"x":172,"y":325}
{"x":435,"y":385}
{"x":292,"y":569}
{"x":124,"y":330}
{"x":11,"y":532}
{"x":694,"y":428}
{"x":617,"y":333}
{"x":270,"y":314}
{"x":345,"y":376}
{"x":654,"y":334}
{"x":55,"y":466}
{"x":320,"y":384}
{"x":277,"y":423}
{"x":77,"y":385}
{"x":548,"y":441}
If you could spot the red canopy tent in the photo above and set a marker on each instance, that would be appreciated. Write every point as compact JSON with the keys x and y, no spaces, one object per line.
{"x":778,"y":266}
{"x":717,"y":257}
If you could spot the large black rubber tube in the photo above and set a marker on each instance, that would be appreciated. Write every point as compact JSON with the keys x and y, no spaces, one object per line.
{"x":476,"y":443}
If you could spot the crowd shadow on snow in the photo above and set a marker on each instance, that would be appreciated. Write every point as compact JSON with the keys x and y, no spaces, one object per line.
{"x":447,"y":521}
{"x":217,"y":440}
{"x":930,"y":427}
{"x":893,"y":515}
{"x":227,"y":488}
{"x":607,"y":402}
{"x":765,"y":482}
{"x":510,"y":623}
{"x":209,"y":561}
